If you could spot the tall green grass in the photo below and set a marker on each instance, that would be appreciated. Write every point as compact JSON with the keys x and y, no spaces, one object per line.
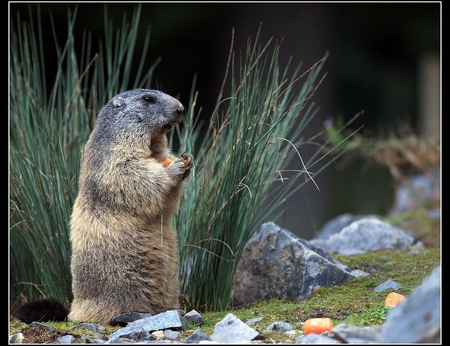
{"x":48,"y":130}
{"x":254,"y":136}
{"x":244,"y":151}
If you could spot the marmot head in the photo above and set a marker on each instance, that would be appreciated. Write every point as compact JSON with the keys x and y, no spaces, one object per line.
{"x":137,"y":116}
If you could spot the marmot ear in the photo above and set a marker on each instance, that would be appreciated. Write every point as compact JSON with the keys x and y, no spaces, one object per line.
{"x":117,"y":102}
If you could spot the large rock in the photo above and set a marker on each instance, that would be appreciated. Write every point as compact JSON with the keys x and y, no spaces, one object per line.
{"x":369,"y":234}
{"x":277,"y":264}
{"x":415,"y":320}
{"x":418,"y":318}
{"x":170,"y":319}
{"x":140,"y":329}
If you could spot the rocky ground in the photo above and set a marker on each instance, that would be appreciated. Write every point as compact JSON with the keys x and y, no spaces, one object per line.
{"x":185,"y":329}
{"x":416,"y":319}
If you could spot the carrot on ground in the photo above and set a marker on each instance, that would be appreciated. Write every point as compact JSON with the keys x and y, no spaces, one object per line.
{"x":317,"y":325}
{"x":393,"y":299}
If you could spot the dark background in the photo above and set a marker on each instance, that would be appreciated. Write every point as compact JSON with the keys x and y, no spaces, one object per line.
{"x":376,"y":54}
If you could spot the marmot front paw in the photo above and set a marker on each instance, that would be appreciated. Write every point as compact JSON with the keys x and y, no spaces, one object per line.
{"x":180,"y":167}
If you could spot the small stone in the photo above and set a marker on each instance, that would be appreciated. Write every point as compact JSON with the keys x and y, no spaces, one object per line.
{"x":280,"y":326}
{"x":358,"y":273}
{"x":16,"y":338}
{"x":128,"y":317}
{"x":66,"y":339}
{"x":252,"y":321}
{"x":194,"y":318}
{"x":387,"y":285}
{"x":98,"y":341}
{"x":232,"y":330}
{"x":197,"y":336}
{"x":39,"y":324}
{"x":291,"y":333}
{"x":171,"y":334}
{"x":133,"y":332}
{"x":158,"y":335}
{"x":93,"y":327}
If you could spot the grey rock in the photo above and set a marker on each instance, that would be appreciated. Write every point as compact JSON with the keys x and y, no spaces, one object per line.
{"x":416,"y":319}
{"x":98,"y":341}
{"x":365,"y":235}
{"x":387,"y":285}
{"x":171,"y":334}
{"x":355,"y":335}
{"x":66,"y":339}
{"x":194,"y":318}
{"x":315,"y":339}
{"x":338,"y":223}
{"x":252,"y":321}
{"x":93,"y":327}
{"x":39,"y":324}
{"x":277,"y":264}
{"x":170,"y":319}
{"x":358,"y":273}
{"x":343,"y":333}
{"x":197,"y":336}
{"x":128,"y":317}
{"x":121,"y":341}
{"x":16,"y":338}
{"x":277,"y":325}
{"x":130,"y":332}
{"x":232,"y":330}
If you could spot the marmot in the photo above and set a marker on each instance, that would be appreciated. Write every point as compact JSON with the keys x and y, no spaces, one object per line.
{"x":124,"y":250}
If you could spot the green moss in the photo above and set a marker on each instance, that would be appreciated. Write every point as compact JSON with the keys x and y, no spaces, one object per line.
{"x":354,"y":302}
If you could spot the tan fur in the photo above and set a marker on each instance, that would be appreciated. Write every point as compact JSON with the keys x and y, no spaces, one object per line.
{"x":124,"y":250}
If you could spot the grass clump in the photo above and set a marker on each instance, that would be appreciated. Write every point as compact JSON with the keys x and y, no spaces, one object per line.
{"x":48,"y":130}
{"x":252,"y":137}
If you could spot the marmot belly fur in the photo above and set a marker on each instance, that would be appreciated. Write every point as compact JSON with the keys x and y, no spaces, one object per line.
{"x":124,"y":250}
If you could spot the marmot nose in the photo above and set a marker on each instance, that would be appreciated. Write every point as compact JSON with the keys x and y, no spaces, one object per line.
{"x":180,"y":109}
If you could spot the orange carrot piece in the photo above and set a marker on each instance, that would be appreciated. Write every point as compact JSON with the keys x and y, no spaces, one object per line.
{"x":393,"y":299}
{"x":167,"y":162}
{"x":183,"y":157}
{"x":317,"y":325}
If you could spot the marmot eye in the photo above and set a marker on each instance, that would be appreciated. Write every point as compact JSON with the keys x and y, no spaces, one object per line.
{"x":149,"y":99}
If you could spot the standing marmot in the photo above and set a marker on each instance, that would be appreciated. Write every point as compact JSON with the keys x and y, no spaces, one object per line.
{"x":124,"y":250}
